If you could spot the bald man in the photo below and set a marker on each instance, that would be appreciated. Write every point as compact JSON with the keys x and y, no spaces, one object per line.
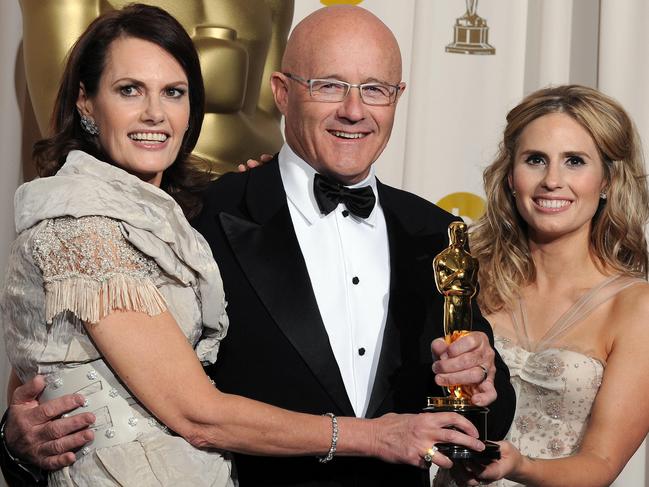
{"x":328,"y":272}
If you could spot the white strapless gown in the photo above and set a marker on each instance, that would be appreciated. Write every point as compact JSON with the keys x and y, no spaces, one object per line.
{"x":555,"y":386}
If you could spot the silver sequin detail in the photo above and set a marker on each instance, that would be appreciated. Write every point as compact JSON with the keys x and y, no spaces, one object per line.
{"x":554,"y":409}
{"x":94,"y":246}
{"x":152,"y":422}
{"x":57,"y":382}
{"x":110,"y":433}
{"x":555,"y":367}
{"x":113,"y":393}
{"x":556,"y":447}
{"x":92,"y":375}
{"x":132,"y":421}
{"x":525,"y":423}
{"x":85,"y":450}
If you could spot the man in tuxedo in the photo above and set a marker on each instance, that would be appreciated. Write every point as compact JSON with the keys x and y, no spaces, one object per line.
{"x":328,"y":272}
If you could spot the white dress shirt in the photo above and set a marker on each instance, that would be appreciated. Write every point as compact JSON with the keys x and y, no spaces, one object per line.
{"x":348,"y":262}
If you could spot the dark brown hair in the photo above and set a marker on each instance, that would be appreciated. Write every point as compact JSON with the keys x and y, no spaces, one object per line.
{"x":184,"y":179}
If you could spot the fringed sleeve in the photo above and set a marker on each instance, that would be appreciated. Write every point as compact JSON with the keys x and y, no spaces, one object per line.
{"x":90,"y":269}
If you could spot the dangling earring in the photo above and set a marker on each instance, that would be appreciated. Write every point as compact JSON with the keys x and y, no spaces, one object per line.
{"x":602,"y":195}
{"x":89,"y":125}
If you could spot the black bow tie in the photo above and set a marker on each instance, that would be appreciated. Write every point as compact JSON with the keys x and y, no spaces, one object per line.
{"x":328,"y":193}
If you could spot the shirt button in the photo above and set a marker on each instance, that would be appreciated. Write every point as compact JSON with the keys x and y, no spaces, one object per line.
{"x":355,"y":280}
{"x":345,"y":213}
{"x":361,"y":351}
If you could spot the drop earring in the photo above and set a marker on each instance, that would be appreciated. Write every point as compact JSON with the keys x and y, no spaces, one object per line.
{"x":89,"y":125}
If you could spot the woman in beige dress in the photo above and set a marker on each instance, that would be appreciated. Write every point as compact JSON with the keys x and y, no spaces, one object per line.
{"x":563,"y":268}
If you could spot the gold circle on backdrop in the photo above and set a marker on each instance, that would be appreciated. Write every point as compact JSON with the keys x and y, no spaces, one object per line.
{"x":466,"y":205}
{"x":329,"y":3}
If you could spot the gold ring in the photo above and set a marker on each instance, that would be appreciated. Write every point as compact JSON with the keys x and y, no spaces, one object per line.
{"x":485,"y":371}
{"x":430,"y":453}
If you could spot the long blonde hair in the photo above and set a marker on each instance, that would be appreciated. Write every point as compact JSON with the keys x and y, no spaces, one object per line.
{"x":617,"y":240}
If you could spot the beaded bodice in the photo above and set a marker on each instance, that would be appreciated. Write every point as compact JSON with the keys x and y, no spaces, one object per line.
{"x":555,"y":384}
{"x":555,"y":389}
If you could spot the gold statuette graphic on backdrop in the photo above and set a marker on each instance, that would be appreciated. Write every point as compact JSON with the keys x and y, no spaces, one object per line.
{"x":240,"y":42}
{"x":471,"y":33}
{"x":456,"y":277}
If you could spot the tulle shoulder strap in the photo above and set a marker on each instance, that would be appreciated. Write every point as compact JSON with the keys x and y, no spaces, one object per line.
{"x":585,"y":305}
{"x":518,"y":316}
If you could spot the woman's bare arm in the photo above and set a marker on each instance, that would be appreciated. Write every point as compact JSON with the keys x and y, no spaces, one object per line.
{"x":153,"y":358}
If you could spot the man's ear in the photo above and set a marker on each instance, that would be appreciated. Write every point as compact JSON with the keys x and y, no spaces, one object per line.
{"x":279,"y":85}
{"x":84,"y":104}
{"x":402,"y":88}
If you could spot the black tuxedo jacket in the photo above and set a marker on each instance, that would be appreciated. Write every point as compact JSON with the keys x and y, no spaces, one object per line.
{"x":277,"y":350}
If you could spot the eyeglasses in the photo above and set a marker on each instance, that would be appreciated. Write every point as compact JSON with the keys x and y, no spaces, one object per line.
{"x":334,"y":90}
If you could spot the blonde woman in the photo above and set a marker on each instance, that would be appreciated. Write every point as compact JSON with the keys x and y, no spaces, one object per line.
{"x":563,"y":268}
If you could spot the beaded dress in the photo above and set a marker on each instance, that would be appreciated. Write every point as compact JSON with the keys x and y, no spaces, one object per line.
{"x":555,"y":386}
{"x":94,"y":239}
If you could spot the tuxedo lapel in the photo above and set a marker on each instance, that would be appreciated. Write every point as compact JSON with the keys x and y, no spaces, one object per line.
{"x":410,"y":251}
{"x":267,"y":249}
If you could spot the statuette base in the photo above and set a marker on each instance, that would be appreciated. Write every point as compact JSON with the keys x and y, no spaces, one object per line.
{"x":478,"y":417}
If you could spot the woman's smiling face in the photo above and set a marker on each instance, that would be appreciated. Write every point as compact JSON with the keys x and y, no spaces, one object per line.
{"x":141,"y":107}
{"x":557,"y":175}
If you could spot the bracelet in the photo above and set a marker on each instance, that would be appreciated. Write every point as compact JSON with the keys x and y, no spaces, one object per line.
{"x":334,"y":439}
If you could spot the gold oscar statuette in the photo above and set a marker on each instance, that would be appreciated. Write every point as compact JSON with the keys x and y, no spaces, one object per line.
{"x":456,"y":277}
{"x":471,"y":33}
